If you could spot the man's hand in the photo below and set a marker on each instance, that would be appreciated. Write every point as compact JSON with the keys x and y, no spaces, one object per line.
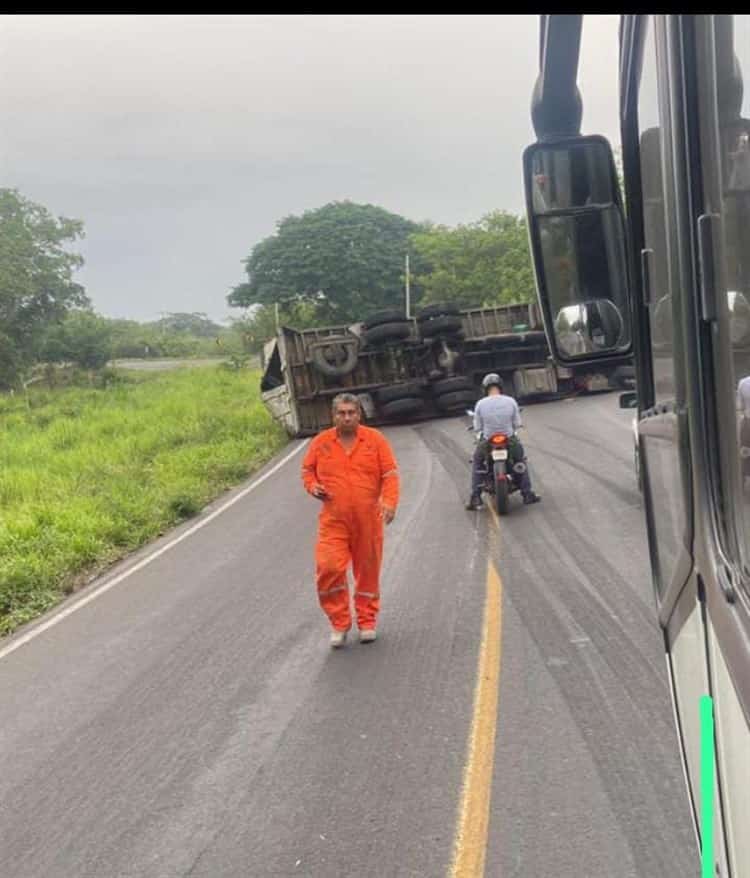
{"x":320,"y":492}
{"x":387,"y":513}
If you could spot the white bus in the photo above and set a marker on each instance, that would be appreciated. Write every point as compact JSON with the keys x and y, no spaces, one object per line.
{"x":664,"y":273}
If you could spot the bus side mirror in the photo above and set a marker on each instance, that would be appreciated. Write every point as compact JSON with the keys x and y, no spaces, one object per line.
{"x":577,"y":236}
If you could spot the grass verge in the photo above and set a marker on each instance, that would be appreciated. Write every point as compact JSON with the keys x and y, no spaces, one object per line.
{"x":88,"y":475}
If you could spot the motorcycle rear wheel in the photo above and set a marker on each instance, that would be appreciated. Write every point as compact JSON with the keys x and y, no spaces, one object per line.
{"x":502,"y":489}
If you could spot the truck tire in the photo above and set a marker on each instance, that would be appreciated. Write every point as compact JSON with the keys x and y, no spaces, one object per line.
{"x":401,"y":408}
{"x":399,"y":391}
{"x":449,"y":385}
{"x":388,"y":332}
{"x":447,"y":324}
{"x":437,"y":310}
{"x":458,"y":399}
{"x":393,"y":315}
{"x":327,"y":356}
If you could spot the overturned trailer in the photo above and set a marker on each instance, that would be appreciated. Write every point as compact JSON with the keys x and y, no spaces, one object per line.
{"x":414,"y":368}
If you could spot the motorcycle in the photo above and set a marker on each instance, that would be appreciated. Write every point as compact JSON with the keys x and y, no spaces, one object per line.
{"x":501,"y":474}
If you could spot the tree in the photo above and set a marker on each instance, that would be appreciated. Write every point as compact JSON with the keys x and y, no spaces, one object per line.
{"x":133,"y":340}
{"x":343,"y":260}
{"x":259,"y":325}
{"x":83,"y":338}
{"x":195,"y":323}
{"x":255,"y":329}
{"x":483,"y":263}
{"x":36,"y":278}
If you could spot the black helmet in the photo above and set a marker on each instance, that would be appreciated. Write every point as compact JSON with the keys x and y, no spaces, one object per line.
{"x":492,"y":379}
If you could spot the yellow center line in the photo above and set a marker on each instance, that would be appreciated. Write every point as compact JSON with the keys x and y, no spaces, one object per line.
{"x":495,"y":516}
{"x":470,"y":845}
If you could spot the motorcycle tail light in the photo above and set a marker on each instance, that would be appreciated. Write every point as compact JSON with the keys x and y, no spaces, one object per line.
{"x":499,"y":439}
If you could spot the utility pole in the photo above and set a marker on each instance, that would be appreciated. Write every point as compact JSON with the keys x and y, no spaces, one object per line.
{"x":276,"y":311}
{"x":408,"y":301}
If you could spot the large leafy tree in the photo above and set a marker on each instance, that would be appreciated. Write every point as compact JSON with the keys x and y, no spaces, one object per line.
{"x":482,"y":263}
{"x":345,"y":260}
{"x":36,"y":278}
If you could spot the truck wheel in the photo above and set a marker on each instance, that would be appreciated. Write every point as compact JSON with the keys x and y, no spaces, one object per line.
{"x":336,"y":356}
{"x":458,"y":399}
{"x":401,"y":408}
{"x":379,"y":317}
{"x":399,"y":391}
{"x":437,"y":310}
{"x":447,"y":324}
{"x":388,"y":332}
{"x":448,"y":385}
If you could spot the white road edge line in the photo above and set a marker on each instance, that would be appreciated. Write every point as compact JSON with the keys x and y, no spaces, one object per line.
{"x":63,"y":614}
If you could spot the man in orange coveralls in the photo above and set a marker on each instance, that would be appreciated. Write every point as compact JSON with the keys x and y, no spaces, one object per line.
{"x":352,"y":470}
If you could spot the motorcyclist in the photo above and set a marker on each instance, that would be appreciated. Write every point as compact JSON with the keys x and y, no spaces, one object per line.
{"x":497,"y":413}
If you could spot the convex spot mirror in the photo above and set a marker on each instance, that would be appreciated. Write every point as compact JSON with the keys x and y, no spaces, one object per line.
{"x":589,"y":327}
{"x":577,"y":236}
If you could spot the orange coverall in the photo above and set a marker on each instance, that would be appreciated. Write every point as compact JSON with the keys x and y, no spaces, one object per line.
{"x":350,"y":526}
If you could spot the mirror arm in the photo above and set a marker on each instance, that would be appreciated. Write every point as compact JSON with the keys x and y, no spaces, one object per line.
{"x":556,"y":104}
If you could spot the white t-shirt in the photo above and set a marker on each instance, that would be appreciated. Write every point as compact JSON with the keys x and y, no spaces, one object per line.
{"x":496,"y":414}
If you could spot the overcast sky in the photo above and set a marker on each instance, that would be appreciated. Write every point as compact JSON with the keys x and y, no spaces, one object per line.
{"x":180,"y":141}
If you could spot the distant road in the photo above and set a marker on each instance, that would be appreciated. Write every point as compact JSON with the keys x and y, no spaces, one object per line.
{"x":161,"y":365}
{"x":193,"y":721}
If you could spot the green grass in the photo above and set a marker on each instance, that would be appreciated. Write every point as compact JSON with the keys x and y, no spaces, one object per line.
{"x":88,"y":475}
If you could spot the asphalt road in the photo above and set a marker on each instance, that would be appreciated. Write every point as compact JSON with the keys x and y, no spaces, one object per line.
{"x":165,"y":364}
{"x":191,"y":720}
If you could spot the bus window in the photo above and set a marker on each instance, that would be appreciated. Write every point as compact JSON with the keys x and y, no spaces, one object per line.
{"x":659,"y":431}
{"x":651,"y":150}
{"x":735,"y":163}
{"x":724,"y":113}
{"x":730,"y":194}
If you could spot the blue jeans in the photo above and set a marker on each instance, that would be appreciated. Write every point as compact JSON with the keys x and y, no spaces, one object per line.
{"x":515,"y":454}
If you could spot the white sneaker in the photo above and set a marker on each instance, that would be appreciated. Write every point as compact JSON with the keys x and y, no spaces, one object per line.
{"x":367,"y":635}
{"x":338,"y":639}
